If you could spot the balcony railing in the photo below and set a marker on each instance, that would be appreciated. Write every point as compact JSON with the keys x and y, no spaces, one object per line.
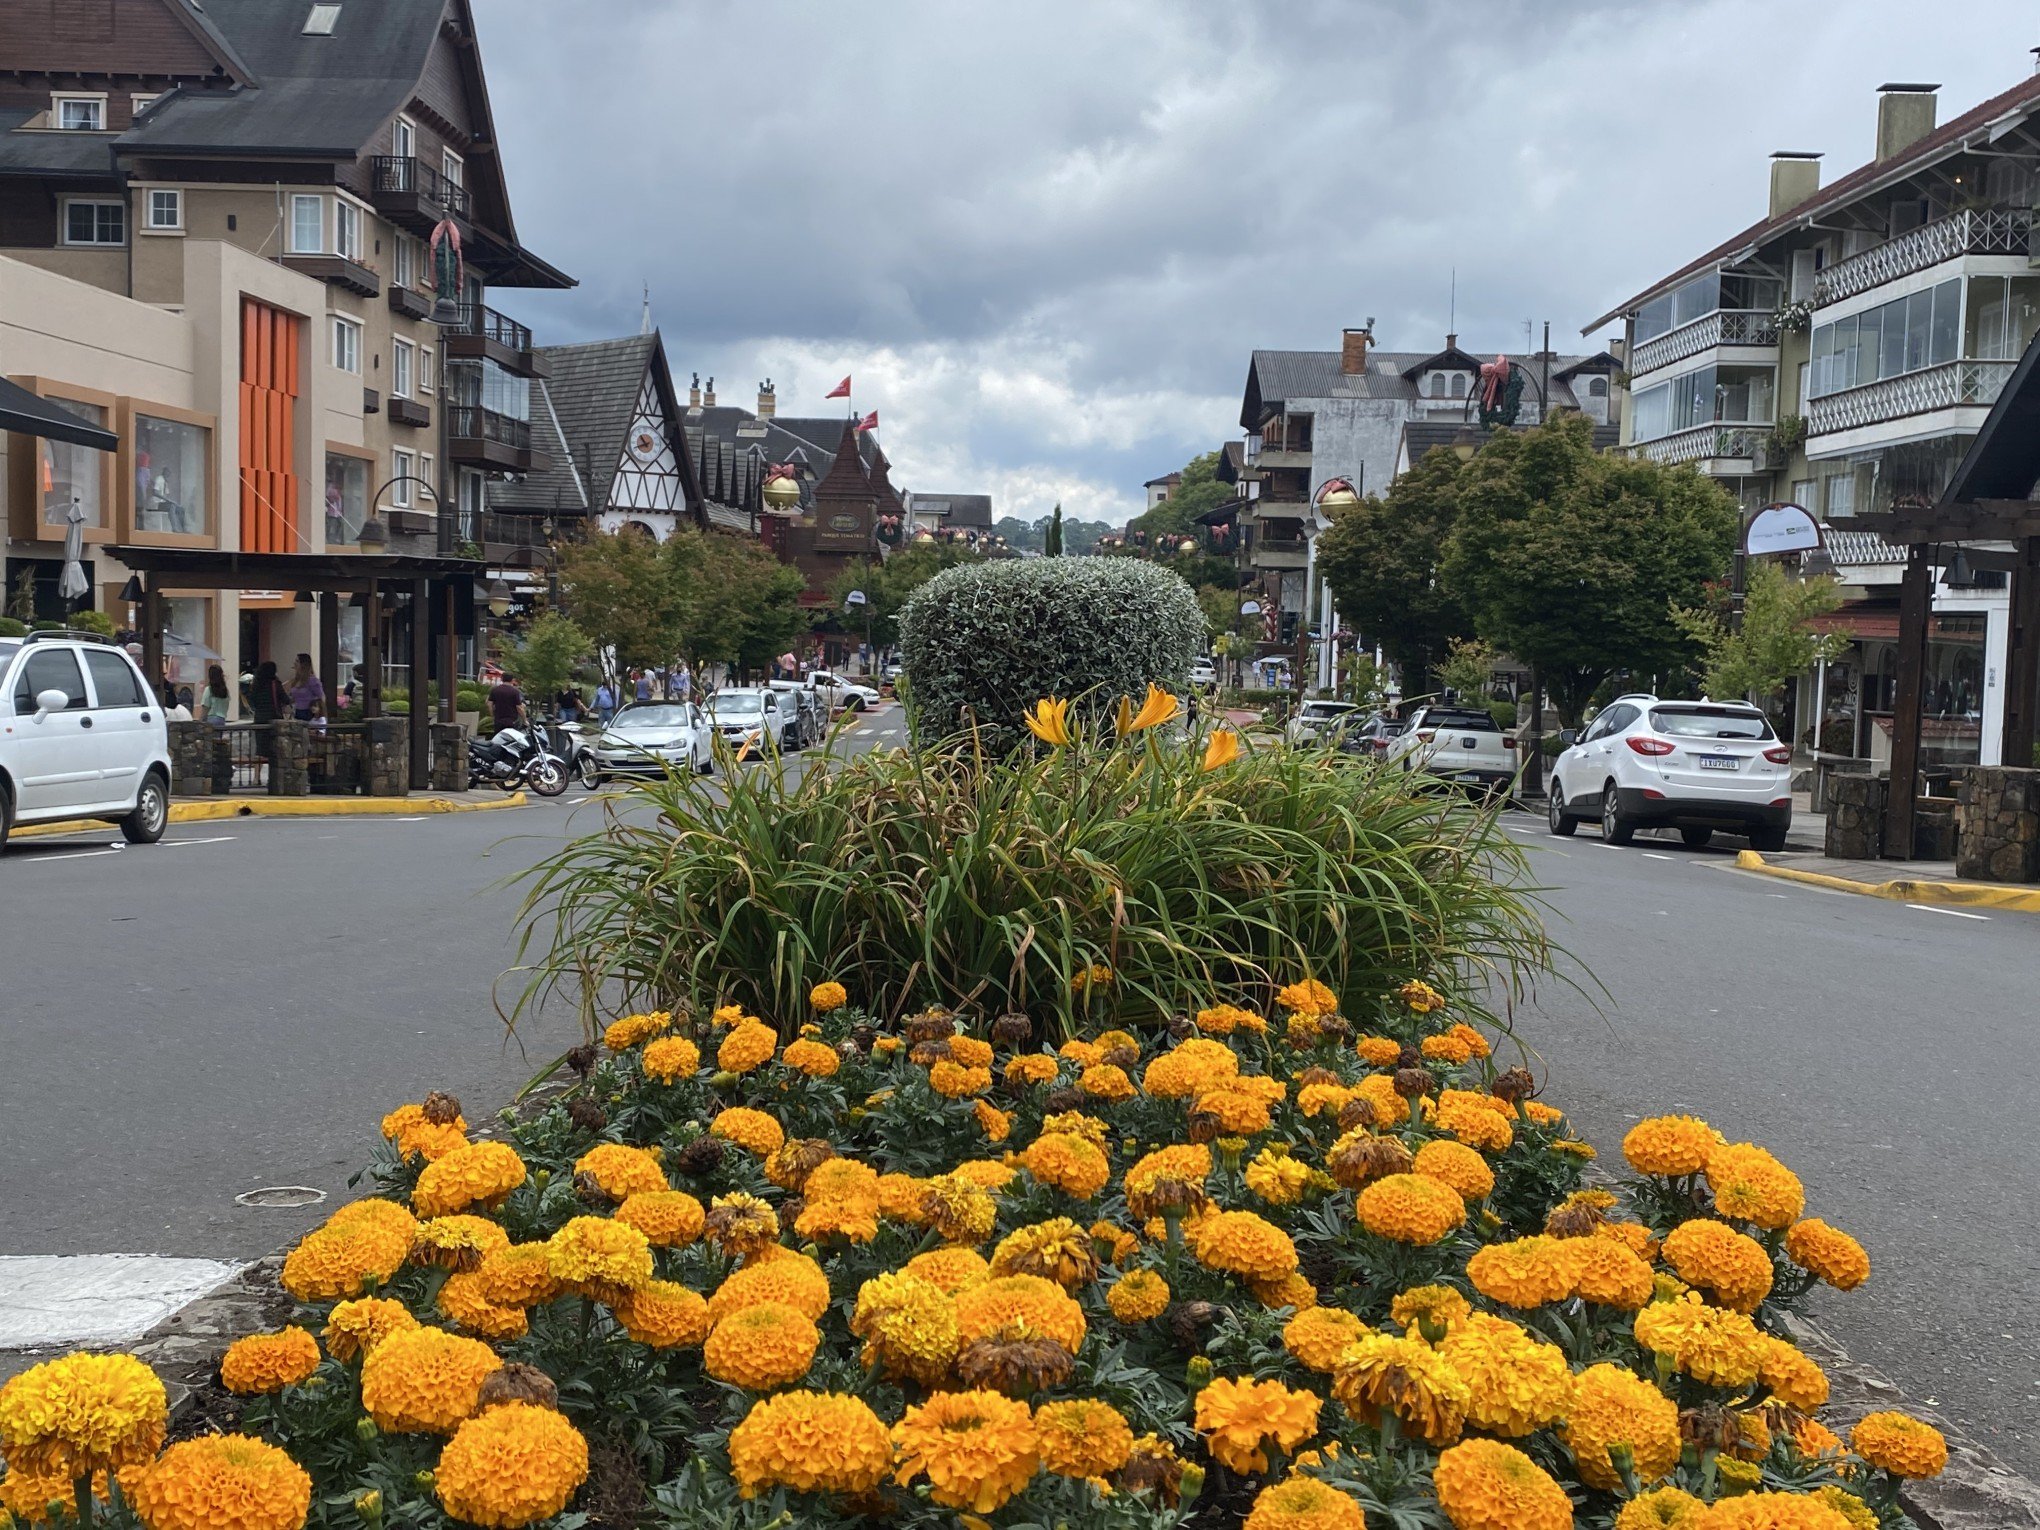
{"x":1952,"y":385}
{"x":1725,"y":326}
{"x":1710,"y":442}
{"x":401,"y":175}
{"x":471,"y":422}
{"x":485,"y":323}
{"x":1992,"y":232}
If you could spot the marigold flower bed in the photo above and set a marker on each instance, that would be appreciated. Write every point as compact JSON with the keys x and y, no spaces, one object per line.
{"x":1301,"y":1271}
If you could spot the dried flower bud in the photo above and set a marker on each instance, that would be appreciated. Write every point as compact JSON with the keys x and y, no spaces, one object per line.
{"x":1205,"y":1126}
{"x":929,"y":1053}
{"x":516,"y":1382}
{"x":704,"y":1155}
{"x":1015,"y":1365}
{"x":1181,"y":1027}
{"x":589,"y":1189}
{"x":1411,"y":1056}
{"x":1315,"y":1075}
{"x":1012,"y":1029}
{"x":1334,"y":1027}
{"x":441,"y":1109}
{"x":1063,"y":1099}
{"x":1411,"y":1082}
{"x":1573,"y":1220}
{"x":862,"y":1037}
{"x":586,"y":1114}
{"x":1123,"y":1057}
{"x":582,"y":1058}
{"x":1356,"y":1114}
{"x":1153,"y":1468}
{"x":931,"y":1025}
{"x":1514,"y":1085}
{"x":1355,"y":1161}
{"x":1708,"y":1427}
{"x":1187,"y":1320}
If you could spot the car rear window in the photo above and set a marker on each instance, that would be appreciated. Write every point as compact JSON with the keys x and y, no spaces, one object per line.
{"x":1709,"y":722}
{"x":1328,"y":708}
{"x":1462,"y":720}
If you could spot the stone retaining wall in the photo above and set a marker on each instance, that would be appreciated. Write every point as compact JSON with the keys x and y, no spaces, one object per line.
{"x":1998,"y":821}
{"x":1855,"y":817}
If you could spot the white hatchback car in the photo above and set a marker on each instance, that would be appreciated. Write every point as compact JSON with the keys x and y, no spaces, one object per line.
{"x":81,"y":737}
{"x":1694,"y":766}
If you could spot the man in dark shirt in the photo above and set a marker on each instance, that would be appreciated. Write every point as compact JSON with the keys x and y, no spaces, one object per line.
{"x":506,"y":703}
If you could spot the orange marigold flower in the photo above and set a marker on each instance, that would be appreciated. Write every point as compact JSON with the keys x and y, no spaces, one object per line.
{"x":1714,"y":1345}
{"x":598,"y":1257}
{"x":1069,"y":1163}
{"x":425,"y":1380}
{"x":1421,"y":997}
{"x":457,"y":1242}
{"x":518,"y":1276}
{"x":621,"y":1171}
{"x":1478,"y":1120}
{"x":1032,"y":1068}
{"x":1750,"y":1185}
{"x":414,"y":1135}
{"x":762,"y":1347}
{"x":80,"y":1414}
{"x":953,"y":1081}
{"x":1827,"y":1253}
{"x":1277,"y":1178}
{"x":1515,"y":1383}
{"x":1241,"y":1243}
{"x":971,"y":1051}
{"x":1138,"y":1296}
{"x":1666,"y":1508}
{"x":356,"y":1327}
{"x":1379,"y":1051}
{"x":817,"y":1059}
{"x":958,"y":1209}
{"x":670,"y":1058}
{"x":908,"y":1325}
{"x":1237,"y":1112}
{"x":1304,"y":1503}
{"x":1308,"y":997}
{"x":1057,"y":1250}
{"x":751,"y":1045}
{"x":1670,"y":1147}
{"x":996,"y":1124}
{"x":1608,"y":1271}
{"x":221,"y":1480}
{"x":1900,"y":1444}
{"x":977,"y":1449}
{"x":1792,"y":1376}
{"x":1106,"y":1081}
{"x":1615,"y":1407}
{"x":1221,"y":1019}
{"x":515,"y":1465}
{"x":1410,"y":1208}
{"x":462,"y":1300}
{"x":1430,"y":1311}
{"x":1715,"y":1256}
{"x":1379,"y":1373}
{"x":667,"y":1218}
{"x":1039,"y":1305}
{"x":473,"y":1174}
{"x":1524,"y":1272}
{"x":1455,"y":1164}
{"x":828,"y":996}
{"x":269,"y":1362}
{"x":1082,"y":1437}
{"x":749,"y":1129}
{"x":812,"y":1442}
{"x":635,"y":1030}
{"x":1446,"y":1048}
{"x":663,"y":1314}
{"x":1318,"y":1336}
{"x":793,"y":1280}
{"x":1239,"y":1418}
{"x":1486,"y":1485}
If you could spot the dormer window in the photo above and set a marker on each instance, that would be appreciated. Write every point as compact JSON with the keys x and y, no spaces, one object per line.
{"x":79,"y":114}
{"x":1435,"y":387}
{"x":322,"y":20}
{"x":1459,"y":385}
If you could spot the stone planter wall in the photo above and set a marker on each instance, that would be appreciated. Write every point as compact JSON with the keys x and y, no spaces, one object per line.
{"x":200,"y":765}
{"x":449,"y":757}
{"x":389,"y":757}
{"x":290,"y":772}
{"x":1855,"y":817}
{"x":1998,"y":813}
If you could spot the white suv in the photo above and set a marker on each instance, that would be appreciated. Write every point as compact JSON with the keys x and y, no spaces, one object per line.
{"x":1694,"y":766}
{"x":81,"y":737}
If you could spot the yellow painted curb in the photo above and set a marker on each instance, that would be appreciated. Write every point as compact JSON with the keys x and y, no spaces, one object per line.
{"x":2022,"y":900}
{"x":220,"y":809}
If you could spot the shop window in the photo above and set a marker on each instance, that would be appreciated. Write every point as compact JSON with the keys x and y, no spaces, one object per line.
{"x":346,"y":499}
{"x":73,"y":473}
{"x":172,"y":489}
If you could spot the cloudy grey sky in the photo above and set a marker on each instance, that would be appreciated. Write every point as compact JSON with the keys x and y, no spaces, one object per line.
{"x":1045,"y":237}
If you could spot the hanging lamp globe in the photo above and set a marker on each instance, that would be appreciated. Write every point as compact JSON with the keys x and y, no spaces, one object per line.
{"x":782,"y":495}
{"x":1337,"y":494}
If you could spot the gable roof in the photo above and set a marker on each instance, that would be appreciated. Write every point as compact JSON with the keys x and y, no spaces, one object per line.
{"x":1275,"y":378}
{"x":956,"y":509}
{"x":1451,"y":359}
{"x":1983,"y":122}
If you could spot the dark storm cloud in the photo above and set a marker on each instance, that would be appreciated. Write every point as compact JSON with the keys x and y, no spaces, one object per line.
{"x":1046,"y":237}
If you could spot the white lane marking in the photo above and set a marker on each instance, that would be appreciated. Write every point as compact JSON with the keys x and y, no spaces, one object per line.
{"x":1652,"y":855}
{"x":579,"y":800}
{"x":419,"y":819}
{"x":217,"y":839}
{"x":50,"y":1299}
{"x":79,"y":855}
{"x":1957,"y":913}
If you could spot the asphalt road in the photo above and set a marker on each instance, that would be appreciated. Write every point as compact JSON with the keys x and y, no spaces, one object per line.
{"x":1887,"y":1053}
{"x":234,"y":1009}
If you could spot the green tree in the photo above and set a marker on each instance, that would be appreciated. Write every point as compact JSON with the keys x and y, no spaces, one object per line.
{"x":1573,"y":560}
{"x":736,"y":602}
{"x":890,"y":584}
{"x":1382,"y":558}
{"x":1777,"y":641}
{"x":1201,"y":490}
{"x":1051,"y":542}
{"x":545,"y":658}
{"x":620,"y":589}
{"x":1468,"y":668}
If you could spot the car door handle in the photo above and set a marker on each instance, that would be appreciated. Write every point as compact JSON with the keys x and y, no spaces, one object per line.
{"x":84,"y":722}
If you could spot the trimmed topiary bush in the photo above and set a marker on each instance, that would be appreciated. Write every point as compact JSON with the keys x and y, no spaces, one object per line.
{"x":983,"y":642}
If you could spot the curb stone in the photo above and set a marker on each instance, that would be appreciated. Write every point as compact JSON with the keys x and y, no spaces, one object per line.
{"x":221,"y":809}
{"x":2023,"y":900}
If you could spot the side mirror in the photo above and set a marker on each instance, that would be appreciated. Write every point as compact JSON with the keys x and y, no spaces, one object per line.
{"x":51,"y":700}
{"x":1567,"y":737}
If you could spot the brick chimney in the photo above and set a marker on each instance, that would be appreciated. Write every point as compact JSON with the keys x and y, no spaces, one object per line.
{"x":708,"y":397}
{"x":694,"y":392}
{"x":1795,"y":176}
{"x":1905,"y":115}
{"x":1355,"y":343}
{"x":768,"y":400}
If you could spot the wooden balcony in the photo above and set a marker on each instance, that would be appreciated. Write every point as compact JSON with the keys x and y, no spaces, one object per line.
{"x":412,"y":195}
{"x":482,"y":334}
{"x":410,"y":303}
{"x":478,"y":437}
{"x":336,"y":271}
{"x":408,"y":411}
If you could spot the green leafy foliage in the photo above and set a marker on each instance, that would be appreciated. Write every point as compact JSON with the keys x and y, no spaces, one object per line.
{"x":1382,"y":558}
{"x":1777,"y":640}
{"x":707,"y":596}
{"x":889,"y":585}
{"x":545,"y":658}
{"x":982,"y":643}
{"x":1200,"y":490}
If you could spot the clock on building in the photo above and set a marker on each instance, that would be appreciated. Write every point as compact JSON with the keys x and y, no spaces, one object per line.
{"x":644,"y":446}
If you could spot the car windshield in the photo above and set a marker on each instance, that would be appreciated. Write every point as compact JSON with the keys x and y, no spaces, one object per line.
{"x":1460,"y":720}
{"x":1709,"y":722}
{"x":737,"y":704}
{"x":657,"y":715}
{"x":1328,"y":708}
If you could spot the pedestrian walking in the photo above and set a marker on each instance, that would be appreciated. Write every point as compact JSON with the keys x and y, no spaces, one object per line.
{"x":683,"y":682}
{"x":644,"y":685}
{"x":307,"y":690}
{"x":605,"y":703}
{"x":216,"y":699}
{"x":268,"y":704}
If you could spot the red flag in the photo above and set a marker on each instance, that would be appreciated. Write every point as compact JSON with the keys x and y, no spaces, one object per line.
{"x":841,"y":390}
{"x":869,"y":422}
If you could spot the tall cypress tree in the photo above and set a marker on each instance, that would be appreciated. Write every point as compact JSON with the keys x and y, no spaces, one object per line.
{"x":1051,"y":542}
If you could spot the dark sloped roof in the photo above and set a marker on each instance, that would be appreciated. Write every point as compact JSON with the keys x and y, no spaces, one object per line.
{"x":2003,"y":460}
{"x":1949,"y":138}
{"x":956,"y":509}
{"x":72,"y":155}
{"x":1451,"y":359}
{"x":560,"y":488}
{"x":594,"y":390}
{"x":1286,"y":376}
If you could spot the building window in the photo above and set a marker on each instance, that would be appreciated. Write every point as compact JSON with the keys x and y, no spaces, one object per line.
{"x":346,"y":344}
{"x":425,"y":472}
{"x":452,"y":167}
{"x":80,"y":114}
{"x":1709,"y":395}
{"x":402,"y":353}
{"x":1841,"y":496}
{"x":403,"y":479}
{"x":424,"y":369}
{"x":166,"y":211}
{"x":1459,"y":385}
{"x":88,"y":222}
{"x":139,"y":104}
{"x":1901,"y":336}
{"x":1806,"y":494}
{"x":346,"y":499}
{"x":404,"y":139}
{"x":346,"y":229}
{"x":404,"y":262}
{"x":171,"y":476}
{"x":73,"y":473}
{"x":308,"y":225}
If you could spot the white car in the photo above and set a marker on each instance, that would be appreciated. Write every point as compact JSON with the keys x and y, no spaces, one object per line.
{"x":1320,"y":722}
{"x":1694,"y":766}
{"x":81,"y":737}
{"x":1455,"y":743}
{"x":647,"y":737}
{"x":847,"y":694}
{"x":1203,"y":672}
{"x":750,"y":721}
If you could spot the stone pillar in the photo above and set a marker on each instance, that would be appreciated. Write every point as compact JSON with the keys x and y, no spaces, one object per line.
{"x":388,"y":766}
{"x":290,"y":772}
{"x":1997,"y":819}
{"x":449,"y":757}
{"x":191,"y":759}
{"x":1855,"y":817}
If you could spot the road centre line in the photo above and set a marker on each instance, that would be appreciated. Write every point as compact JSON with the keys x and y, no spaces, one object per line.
{"x":78,"y":855}
{"x":1652,"y":855}
{"x":217,"y":839}
{"x":1958,"y":913}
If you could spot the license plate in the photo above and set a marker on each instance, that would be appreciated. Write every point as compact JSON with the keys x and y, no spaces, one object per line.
{"x":1719,"y":762}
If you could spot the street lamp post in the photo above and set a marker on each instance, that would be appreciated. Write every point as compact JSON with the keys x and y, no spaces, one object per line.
{"x":853,"y":599}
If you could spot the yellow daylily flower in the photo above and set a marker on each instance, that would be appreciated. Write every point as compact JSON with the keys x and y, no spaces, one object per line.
{"x":1222,"y":748}
{"x":1050,"y":722}
{"x":1157,"y":709}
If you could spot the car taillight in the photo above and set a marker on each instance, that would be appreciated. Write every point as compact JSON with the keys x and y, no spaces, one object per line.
{"x":1779,"y":756}
{"x":1648,"y":745}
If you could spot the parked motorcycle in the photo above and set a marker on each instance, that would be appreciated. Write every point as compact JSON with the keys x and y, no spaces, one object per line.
{"x":573,"y":752}
{"x":513,"y":757}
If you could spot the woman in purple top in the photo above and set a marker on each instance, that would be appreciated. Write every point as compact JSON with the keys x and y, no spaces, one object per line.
{"x":305,"y":689}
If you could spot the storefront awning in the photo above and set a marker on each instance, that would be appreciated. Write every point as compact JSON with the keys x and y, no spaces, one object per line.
{"x":22,"y":412}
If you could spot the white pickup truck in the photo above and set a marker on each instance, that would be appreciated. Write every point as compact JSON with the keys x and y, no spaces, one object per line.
{"x":1455,"y":743}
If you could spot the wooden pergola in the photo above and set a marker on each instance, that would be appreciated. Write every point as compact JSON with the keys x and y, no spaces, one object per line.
{"x":420,"y":584}
{"x":1988,"y":500}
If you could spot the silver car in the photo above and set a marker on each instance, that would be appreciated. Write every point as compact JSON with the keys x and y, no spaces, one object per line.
{"x":649,"y":737}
